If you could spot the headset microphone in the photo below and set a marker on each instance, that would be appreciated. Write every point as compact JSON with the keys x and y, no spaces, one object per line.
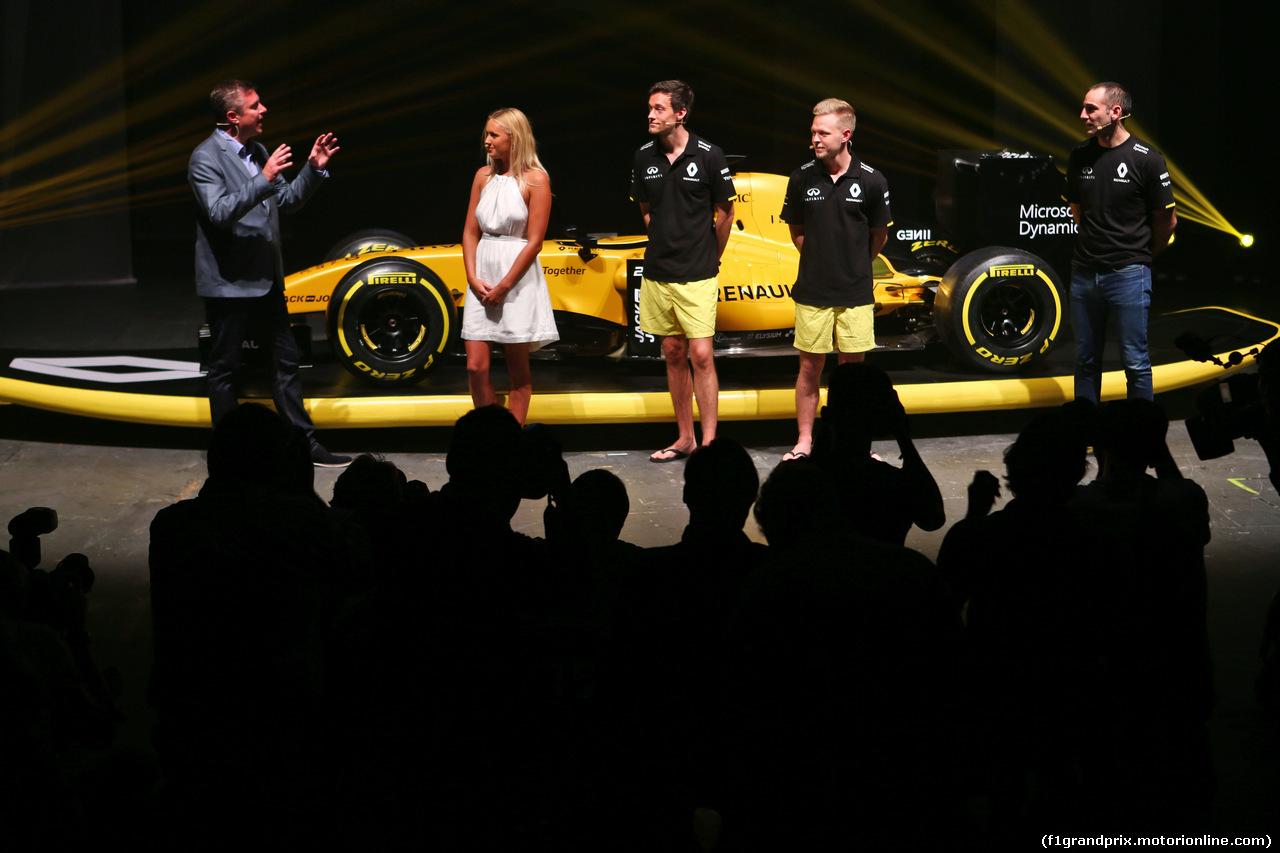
{"x":1108,"y":124}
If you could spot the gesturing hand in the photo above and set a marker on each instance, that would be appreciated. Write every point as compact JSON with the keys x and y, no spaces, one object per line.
{"x":280,"y":159}
{"x":324,"y":149}
{"x":983,"y":492}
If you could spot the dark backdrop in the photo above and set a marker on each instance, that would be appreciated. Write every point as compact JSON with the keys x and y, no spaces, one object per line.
{"x":406,"y":86}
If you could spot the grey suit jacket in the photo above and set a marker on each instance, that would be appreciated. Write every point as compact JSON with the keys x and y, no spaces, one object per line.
{"x":238,"y":217}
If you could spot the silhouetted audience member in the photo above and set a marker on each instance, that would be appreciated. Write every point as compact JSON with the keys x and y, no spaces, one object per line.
{"x":1268,"y":436}
{"x":1024,"y":577}
{"x":665,"y":684}
{"x":788,"y":523}
{"x":391,"y":683}
{"x":256,"y":588}
{"x":389,"y":508}
{"x":879,"y":501}
{"x":1149,"y":762}
{"x":370,"y":485}
{"x":597,"y":562}
{"x":51,"y":721}
{"x":1267,"y":684}
{"x":490,"y":779}
{"x":600,"y":507}
{"x":844,"y":665}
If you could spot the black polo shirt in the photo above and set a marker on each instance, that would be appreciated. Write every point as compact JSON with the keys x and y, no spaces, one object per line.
{"x":682,"y":197}
{"x":835,"y":259}
{"x":1116,"y":188}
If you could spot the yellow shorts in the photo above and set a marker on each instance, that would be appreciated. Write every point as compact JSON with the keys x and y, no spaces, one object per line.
{"x":854,"y":328}
{"x":679,"y":308}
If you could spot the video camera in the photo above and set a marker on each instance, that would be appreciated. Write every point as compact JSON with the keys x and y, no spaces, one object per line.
{"x":57,"y":597}
{"x":1233,"y":408}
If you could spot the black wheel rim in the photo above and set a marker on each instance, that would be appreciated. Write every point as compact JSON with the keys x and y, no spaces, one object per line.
{"x":1010,"y":315}
{"x":393,"y":324}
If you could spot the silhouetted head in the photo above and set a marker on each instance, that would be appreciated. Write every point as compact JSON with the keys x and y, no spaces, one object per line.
{"x":486,"y":459}
{"x":798,"y":503}
{"x":370,"y":482}
{"x":860,"y":397}
{"x":1047,"y":460}
{"x":599,"y":504}
{"x":720,"y":483}
{"x":254,"y":446}
{"x":1131,"y":434}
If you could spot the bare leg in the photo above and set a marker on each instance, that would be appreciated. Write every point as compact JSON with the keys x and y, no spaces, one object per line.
{"x":478,"y":374}
{"x":521,"y":380}
{"x":675,"y":349}
{"x":807,"y":385}
{"x":706,"y":385}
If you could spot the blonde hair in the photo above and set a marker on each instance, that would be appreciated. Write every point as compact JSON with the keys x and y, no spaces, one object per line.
{"x":524,"y":148}
{"x":845,"y":116}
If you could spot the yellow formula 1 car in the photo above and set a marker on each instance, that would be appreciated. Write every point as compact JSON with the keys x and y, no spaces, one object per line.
{"x":393,"y":310}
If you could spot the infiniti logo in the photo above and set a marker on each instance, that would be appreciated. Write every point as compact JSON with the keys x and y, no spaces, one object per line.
{"x":814,"y":192}
{"x":652,"y":170}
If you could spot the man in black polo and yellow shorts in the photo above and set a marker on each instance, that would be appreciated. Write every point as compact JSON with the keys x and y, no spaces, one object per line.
{"x":838,"y":210}
{"x":685,"y":192}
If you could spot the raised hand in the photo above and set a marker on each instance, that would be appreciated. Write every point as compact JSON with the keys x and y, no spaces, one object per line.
{"x":280,"y":159}
{"x":324,"y":149}
{"x":983,"y":492}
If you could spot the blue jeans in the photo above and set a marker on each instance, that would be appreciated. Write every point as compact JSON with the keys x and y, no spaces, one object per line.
{"x":1124,"y":297}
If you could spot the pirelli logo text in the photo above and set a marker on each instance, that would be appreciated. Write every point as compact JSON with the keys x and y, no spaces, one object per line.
{"x":1011,"y":270}
{"x":394,"y":278}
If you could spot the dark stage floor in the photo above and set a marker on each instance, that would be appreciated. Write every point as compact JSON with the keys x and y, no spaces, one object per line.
{"x":107,"y":480}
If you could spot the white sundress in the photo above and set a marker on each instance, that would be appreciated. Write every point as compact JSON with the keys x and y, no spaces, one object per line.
{"x":525,"y":314}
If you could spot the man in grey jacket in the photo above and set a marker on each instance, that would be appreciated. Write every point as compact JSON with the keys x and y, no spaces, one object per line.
{"x":240,"y":190}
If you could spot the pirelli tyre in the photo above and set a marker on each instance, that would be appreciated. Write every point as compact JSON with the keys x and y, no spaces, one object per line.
{"x":390,"y":320}
{"x":933,"y":257}
{"x":368,"y":242}
{"x":999,"y":309}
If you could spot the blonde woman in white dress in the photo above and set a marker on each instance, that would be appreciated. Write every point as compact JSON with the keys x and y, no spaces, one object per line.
{"x":508,"y":302}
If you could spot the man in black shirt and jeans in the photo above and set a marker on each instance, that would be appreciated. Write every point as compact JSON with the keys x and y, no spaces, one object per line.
{"x":685,"y":192}
{"x":1121,"y":197}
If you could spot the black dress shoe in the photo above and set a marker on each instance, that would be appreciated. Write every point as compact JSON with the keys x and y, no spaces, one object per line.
{"x":322,"y":458}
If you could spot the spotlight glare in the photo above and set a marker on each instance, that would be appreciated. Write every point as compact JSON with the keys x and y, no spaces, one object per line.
{"x":1246,"y":240}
